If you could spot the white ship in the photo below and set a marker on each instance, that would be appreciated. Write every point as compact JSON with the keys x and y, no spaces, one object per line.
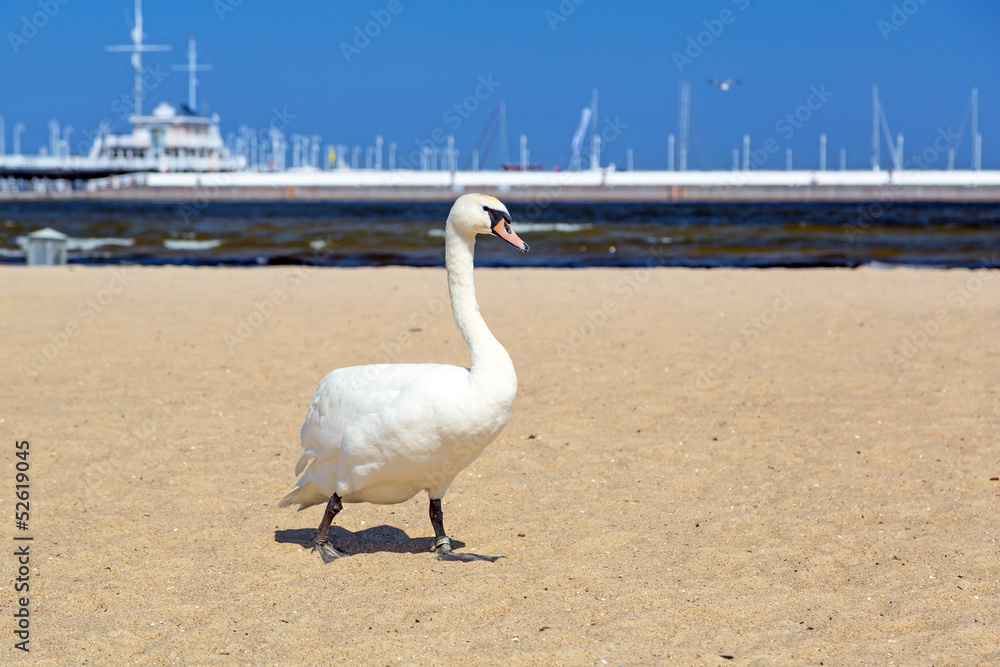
{"x":167,"y":140}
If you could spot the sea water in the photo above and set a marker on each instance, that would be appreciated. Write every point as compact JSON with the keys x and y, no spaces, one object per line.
{"x":560,"y":234}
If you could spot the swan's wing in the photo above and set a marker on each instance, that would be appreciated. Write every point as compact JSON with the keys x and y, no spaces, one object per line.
{"x":348,"y":396}
{"x":356,"y":413}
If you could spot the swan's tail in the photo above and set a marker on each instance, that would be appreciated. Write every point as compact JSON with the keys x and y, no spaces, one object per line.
{"x":307,"y":493}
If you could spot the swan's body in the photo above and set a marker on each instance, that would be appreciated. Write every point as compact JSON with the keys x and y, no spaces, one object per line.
{"x":383,"y":433}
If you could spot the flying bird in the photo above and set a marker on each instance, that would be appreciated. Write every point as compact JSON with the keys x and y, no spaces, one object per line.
{"x":383,"y":433}
{"x":724,"y":84}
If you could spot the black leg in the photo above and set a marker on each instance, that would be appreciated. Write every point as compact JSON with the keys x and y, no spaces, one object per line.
{"x":326,"y":550}
{"x":442,"y":544}
{"x":437,"y":520}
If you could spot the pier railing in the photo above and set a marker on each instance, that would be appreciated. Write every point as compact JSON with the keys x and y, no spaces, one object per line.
{"x":83,"y":166}
{"x":531,"y":186}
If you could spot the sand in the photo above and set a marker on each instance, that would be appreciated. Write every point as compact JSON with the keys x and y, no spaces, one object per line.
{"x":702,"y":467}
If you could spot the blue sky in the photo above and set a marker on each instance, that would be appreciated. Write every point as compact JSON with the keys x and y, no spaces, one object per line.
{"x":543,"y":58}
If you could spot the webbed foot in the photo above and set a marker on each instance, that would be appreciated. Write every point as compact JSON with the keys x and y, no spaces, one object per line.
{"x":327,"y":551}
{"x":442,"y":546}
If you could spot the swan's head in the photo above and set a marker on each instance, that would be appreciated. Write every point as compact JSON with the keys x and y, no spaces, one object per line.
{"x":483,"y":214}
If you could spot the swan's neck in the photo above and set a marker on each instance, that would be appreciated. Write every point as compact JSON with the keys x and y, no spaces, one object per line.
{"x":488,"y":357}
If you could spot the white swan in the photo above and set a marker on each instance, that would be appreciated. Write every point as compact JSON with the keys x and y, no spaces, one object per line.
{"x":383,"y":433}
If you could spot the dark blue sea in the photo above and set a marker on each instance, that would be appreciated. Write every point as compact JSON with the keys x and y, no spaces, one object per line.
{"x":561,"y":235}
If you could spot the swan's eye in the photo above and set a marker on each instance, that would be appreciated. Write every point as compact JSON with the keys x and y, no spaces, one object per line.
{"x":486,"y":208}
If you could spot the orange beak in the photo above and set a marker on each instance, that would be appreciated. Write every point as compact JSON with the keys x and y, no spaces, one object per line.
{"x":503,"y":230}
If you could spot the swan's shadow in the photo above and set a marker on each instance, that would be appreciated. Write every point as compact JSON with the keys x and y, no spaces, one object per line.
{"x":368,"y":541}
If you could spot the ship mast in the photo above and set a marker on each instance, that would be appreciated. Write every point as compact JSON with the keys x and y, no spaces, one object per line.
{"x":136,"y":48}
{"x":192,"y":68}
{"x":685,"y":124}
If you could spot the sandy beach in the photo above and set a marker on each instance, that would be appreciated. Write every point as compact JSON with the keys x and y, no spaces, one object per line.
{"x":704,"y":467}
